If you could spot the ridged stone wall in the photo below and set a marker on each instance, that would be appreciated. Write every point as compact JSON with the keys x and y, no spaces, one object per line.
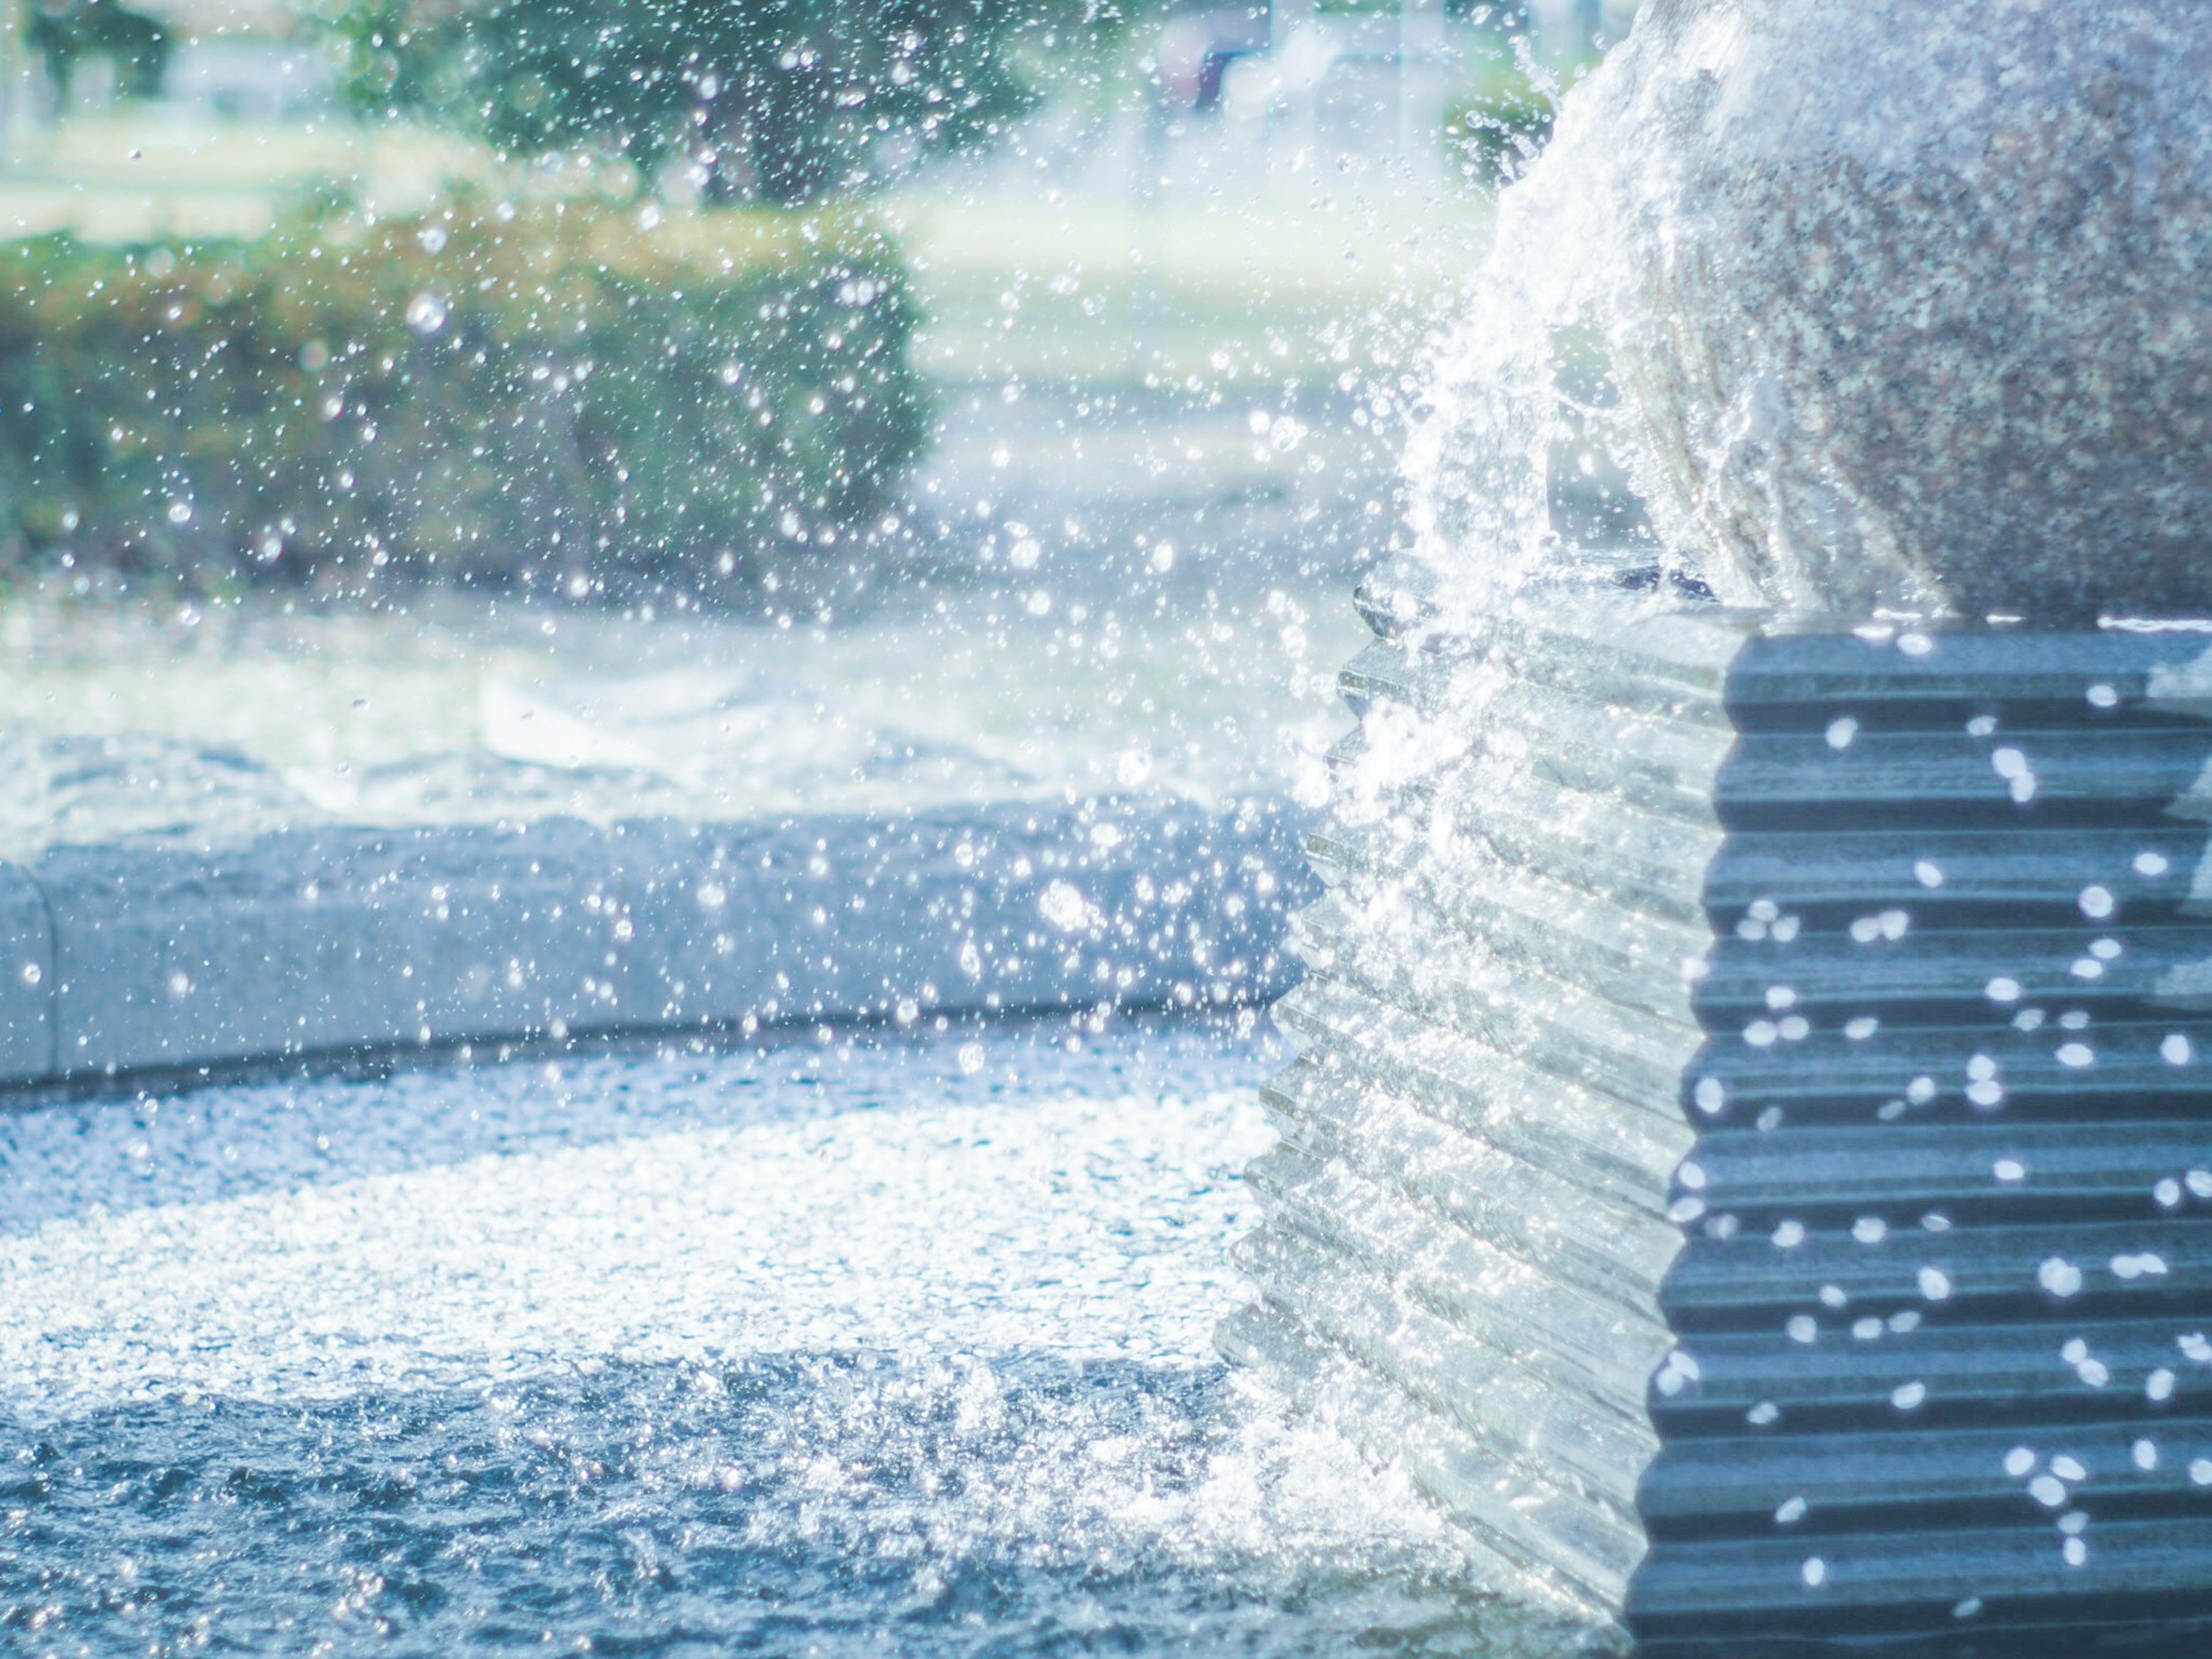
{"x":1751,"y":1154}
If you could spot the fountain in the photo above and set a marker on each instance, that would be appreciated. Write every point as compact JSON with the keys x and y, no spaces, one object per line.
{"x":1747,"y":1159}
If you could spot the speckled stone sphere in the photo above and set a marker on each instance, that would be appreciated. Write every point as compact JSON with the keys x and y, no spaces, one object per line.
{"x":1915,"y":300}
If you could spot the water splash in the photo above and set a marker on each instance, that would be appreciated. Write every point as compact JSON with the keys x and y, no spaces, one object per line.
{"x":1902,"y":304}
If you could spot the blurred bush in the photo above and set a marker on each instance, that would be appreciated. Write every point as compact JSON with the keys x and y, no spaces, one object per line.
{"x":781,"y":101}
{"x":539,"y":396}
{"x":1499,"y":123}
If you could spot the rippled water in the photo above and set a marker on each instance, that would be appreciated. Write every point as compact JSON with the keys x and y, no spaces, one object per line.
{"x":898,"y":1347}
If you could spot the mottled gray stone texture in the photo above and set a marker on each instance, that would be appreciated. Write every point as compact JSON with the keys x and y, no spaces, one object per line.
{"x":1916,"y":305}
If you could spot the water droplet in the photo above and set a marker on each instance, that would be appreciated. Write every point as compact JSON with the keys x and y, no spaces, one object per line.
{"x":2096,"y":903}
{"x":2103,"y":696}
{"x":426,"y":314}
{"x":2150,"y":864}
{"x":2175,"y":1049}
{"x":1909,"y":1397}
{"x":2018,"y":1461}
{"x":1927,"y":874}
{"x":1841,"y":732}
{"x":1063,"y":906}
{"x":1935,"y":1285}
{"x":1815,"y":1572}
{"x":1859,"y":1030}
{"x":1791,"y":1512}
{"x":1789,"y":1235}
{"x":1802,"y":1327}
{"x":1869,"y":1229}
{"x":2145,"y":1454}
{"x":2047,"y":1490}
{"x":2059,"y":1276}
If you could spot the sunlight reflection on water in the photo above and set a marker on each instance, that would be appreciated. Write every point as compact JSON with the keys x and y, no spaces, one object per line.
{"x":899,"y":1347}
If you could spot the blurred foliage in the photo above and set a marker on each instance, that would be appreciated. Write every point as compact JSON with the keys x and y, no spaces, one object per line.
{"x":1499,"y":121}
{"x":781,"y":101}
{"x":552,"y":395}
{"x":66,"y":33}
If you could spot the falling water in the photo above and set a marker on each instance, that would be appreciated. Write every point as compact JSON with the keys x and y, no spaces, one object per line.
{"x":1904,"y":305}
{"x":1741,"y":1157}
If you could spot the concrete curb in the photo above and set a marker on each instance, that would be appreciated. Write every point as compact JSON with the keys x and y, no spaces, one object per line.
{"x":151,"y":957}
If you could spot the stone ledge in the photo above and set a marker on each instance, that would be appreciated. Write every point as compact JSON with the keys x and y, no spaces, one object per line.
{"x":152,"y":957}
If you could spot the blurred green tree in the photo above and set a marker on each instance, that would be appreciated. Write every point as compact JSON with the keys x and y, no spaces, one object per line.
{"x":779,"y":100}
{"x":66,"y":33}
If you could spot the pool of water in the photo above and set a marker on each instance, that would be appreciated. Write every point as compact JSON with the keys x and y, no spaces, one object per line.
{"x":896,"y":1346}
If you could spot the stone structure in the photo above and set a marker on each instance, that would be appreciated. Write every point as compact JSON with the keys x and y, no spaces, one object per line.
{"x":1914,"y":300}
{"x":1749,"y":1156}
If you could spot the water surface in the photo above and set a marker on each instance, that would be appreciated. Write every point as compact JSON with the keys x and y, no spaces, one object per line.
{"x":896,"y":1346}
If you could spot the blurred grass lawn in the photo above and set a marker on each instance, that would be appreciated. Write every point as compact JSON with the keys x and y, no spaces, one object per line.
{"x":1015,"y":285}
